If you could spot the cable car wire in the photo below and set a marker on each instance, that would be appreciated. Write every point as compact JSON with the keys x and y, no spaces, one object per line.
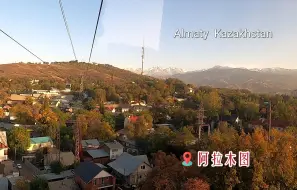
{"x":21,"y":45}
{"x":67,"y":28}
{"x":96,"y":30}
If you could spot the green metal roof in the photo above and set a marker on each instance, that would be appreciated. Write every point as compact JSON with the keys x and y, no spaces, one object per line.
{"x":39,"y":140}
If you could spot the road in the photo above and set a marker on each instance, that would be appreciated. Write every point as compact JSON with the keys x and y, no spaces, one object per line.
{"x":26,"y":172}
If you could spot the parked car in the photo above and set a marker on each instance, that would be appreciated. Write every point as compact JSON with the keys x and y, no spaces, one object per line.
{"x":19,"y":166}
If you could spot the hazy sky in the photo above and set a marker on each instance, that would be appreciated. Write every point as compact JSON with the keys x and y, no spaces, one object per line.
{"x":124,"y":23}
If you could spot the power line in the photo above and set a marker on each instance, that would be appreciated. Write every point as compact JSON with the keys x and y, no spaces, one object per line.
{"x":96,"y":30}
{"x":67,"y":28}
{"x":21,"y":45}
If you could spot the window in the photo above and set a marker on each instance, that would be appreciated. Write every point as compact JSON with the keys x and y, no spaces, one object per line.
{"x":114,"y":150}
{"x":95,"y":182}
{"x":5,"y":152}
{"x":102,"y":181}
{"x":143,"y":167}
{"x":140,"y":177}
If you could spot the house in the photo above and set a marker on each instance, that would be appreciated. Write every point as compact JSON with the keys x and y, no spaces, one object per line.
{"x":277,"y":124}
{"x":132,"y":169}
{"x":130,"y":119}
{"x":3,"y":146}
{"x":15,"y":98}
{"x":114,"y":149}
{"x":90,"y":144}
{"x":90,"y":176}
{"x":129,"y":145}
{"x":40,"y":142}
{"x":97,"y":156}
{"x":66,"y":158}
{"x":123,"y":108}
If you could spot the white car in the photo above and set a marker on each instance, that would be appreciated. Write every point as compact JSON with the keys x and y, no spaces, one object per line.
{"x":19,"y":166}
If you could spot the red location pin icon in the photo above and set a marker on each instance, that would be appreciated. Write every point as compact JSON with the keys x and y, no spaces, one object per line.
{"x":187,"y":157}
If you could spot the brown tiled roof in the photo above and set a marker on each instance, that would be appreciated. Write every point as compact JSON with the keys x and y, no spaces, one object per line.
{"x":274,"y":123}
{"x":16,"y":97}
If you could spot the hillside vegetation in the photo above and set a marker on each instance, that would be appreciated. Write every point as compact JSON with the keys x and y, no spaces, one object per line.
{"x":67,"y":71}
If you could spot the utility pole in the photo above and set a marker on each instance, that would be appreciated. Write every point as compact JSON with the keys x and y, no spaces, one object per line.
{"x":142,"y":57}
{"x":269,"y":119}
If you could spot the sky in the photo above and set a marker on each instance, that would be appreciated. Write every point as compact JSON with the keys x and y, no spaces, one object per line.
{"x":126,"y":24}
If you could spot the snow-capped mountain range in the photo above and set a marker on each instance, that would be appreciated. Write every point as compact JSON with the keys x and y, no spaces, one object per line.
{"x":158,"y":71}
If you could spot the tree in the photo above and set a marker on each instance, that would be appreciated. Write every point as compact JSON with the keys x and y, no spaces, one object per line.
{"x":19,"y":138}
{"x":184,"y":137}
{"x":1,"y":113}
{"x":166,"y":175}
{"x":212,"y":103}
{"x":29,"y":101}
{"x":160,"y":139}
{"x":100,"y":96}
{"x":100,"y":130}
{"x":196,"y":183}
{"x":22,"y":184}
{"x":39,"y":184}
{"x":23,"y":114}
{"x":56,"y":167}
{"x":109,"y":118}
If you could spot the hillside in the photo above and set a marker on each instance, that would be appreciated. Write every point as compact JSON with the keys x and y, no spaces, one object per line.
{"x":272,"y":80}
{"x":64,"y":71}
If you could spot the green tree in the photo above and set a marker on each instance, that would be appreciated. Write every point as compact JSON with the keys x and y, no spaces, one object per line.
{"x":39,"y":184}
{"x":56,"y":167}
{"x":184,"y":137}
{"x":19,"y":139}
{"x":109,"y":118}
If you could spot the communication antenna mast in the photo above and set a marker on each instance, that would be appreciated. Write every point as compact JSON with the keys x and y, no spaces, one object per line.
{"x":201,"y":117}
{"x":81,"y":87}
{"x":142,"y":57}
{"x":77,"y":140}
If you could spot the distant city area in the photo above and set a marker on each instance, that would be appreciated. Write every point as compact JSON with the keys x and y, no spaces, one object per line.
{"x":129,"y":131}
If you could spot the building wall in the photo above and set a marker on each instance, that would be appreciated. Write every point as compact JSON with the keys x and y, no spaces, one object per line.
{"x":3,"y":154}
{"x":140,"y":174}
{"x":35,"y":147}
{"x":104,"y":182}
{"x":95,"y":185}
{"x":103,"y":160}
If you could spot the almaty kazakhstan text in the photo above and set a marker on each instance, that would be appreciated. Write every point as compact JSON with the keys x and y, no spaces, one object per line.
{"x":219,"y":33}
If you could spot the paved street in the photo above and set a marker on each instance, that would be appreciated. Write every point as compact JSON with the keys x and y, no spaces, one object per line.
{"x":25,"y":171}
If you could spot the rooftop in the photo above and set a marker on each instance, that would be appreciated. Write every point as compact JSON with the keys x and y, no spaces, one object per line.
{"x":90,"y":142}
{"x":53,"y":176}
{"x":39,"y":140}
{"x":98,"y":153}
{"x":16,"y":97}
{"x":114,"y":145}
{"x":65,"y":184}
{"x":87,"y":171}
{"x":127,"y":164}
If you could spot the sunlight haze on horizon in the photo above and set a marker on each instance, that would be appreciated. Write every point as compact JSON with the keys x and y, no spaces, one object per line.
{"x":39,"y":26}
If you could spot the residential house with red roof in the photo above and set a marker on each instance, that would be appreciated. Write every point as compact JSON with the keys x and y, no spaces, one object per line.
{"x":3,"y":146}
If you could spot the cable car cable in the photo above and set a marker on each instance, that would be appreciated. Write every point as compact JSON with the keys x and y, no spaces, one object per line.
{"x":21,"y":45}
{"x":67,"y":28}
{"x":96,"y":30}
